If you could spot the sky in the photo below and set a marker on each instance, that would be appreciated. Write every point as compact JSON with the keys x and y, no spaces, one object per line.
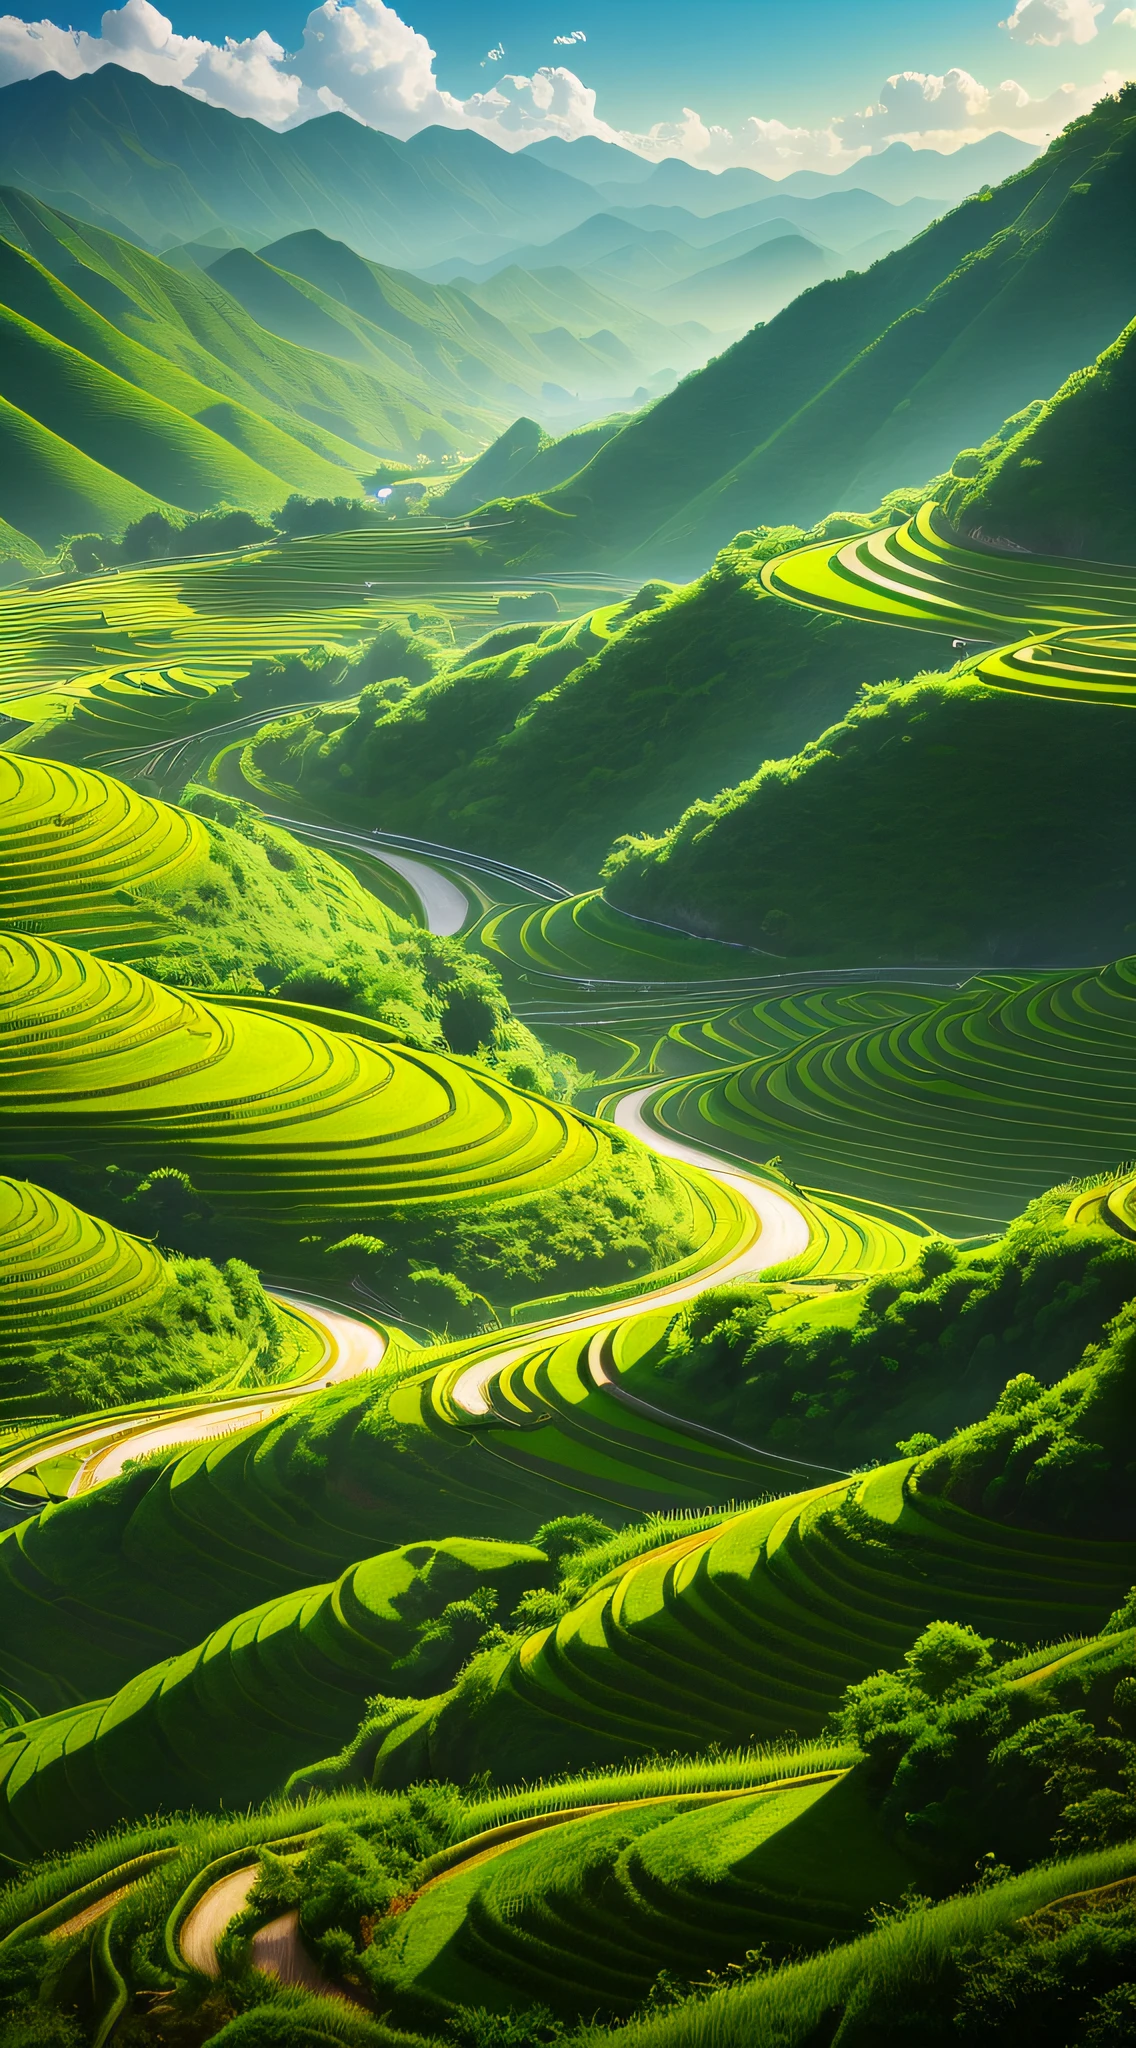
{"x":775,"y":84}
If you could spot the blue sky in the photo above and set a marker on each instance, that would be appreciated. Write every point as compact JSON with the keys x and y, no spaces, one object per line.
{"x":800,"y":64}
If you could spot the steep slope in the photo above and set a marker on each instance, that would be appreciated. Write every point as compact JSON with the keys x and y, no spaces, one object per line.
{"x":30,"y":293}
{"x":100,"y":1062}
{"x":873,"y":380}
{"x":1063,"y":484}
{"x":543,"y":752}
{"x":958,"y":817}
{"x":93,"y":1317}
{"x":320,"y":294}
{"x":150,"y":443}
{"x":49,"y":488}
{"x":206,"y":169}
{"x":188,"y":320}
{"x":213,"y":896}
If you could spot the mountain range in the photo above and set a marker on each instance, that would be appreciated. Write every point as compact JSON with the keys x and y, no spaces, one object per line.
{"x":873,"y":380}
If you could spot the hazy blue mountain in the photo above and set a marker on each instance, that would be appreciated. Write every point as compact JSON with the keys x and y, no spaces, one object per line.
{"x":207,"y":169}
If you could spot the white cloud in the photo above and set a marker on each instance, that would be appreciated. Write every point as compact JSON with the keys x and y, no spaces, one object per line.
{"x":1125,"y":19}
{"x":942,"y":112}
{"x":361,"y":58}
{"x":575,"y":35}
{"x":1054,"y":21}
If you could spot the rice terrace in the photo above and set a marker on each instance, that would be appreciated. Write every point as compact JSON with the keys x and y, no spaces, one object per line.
{"x":568,"y":1027}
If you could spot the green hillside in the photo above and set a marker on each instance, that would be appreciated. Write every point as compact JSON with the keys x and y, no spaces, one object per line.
{"x":896,"y":834}
{"x":188,"y":320}
{"x":50,"y":488}
{"x":873,"y":380}
{"x":404,"y":1143}
{"x":213,"y":897}
{"x":314,"y":290}
{"x":152,"y":445}
{"x":1060,"y":485}
{"x":785,"y":1605}
{"x":209,"y":1722}
{"x":247,"y":383}
{"x":542,"y":753}
{"x":415,"y":337}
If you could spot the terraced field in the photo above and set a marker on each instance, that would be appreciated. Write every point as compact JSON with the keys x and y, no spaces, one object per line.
{"x":587,"y":1912}
{"x":80,"y":856}
{"x":583,"y":938}
{"x":1056,"y":627}
{"x":142,"y":651}
{"x":233,"y":1716}
{"x":755,"y":1627}
{"x":278,"y":1117}
{"x":61,"y":1270}
{"x":960,"y":1106}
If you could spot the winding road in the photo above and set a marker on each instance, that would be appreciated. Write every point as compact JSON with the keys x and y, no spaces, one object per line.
{"x":779,"y":1232}
{"x":350,"y":1348}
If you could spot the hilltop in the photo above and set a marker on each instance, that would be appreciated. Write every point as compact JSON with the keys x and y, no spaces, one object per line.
{"x":1060,"y":484}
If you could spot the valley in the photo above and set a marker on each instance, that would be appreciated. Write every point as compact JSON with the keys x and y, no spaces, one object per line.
{"x":567,"y":1027}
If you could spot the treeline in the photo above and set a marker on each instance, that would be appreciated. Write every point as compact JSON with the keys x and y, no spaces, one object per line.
{"x":929,"y":1345}
{"x":155,"y":537}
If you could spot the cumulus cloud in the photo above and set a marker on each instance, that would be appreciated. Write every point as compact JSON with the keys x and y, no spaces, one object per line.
{"x":359,"y":57}
{"x":930,"y":110}
{"x":575,"y":35}
{"x":1054,"y":21}
{"x":1125,"y":19}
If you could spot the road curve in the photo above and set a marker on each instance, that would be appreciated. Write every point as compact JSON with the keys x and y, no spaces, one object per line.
{"x":350,"y":1348}
{"x":780,"y":1232}
{"x":784,"y":1229}
{"x":444,"y":906}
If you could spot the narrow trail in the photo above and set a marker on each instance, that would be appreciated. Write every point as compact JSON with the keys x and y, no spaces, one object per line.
{"x":350,"y":1348}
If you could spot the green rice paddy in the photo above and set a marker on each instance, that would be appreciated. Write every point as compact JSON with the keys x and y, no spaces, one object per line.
{"x":60,"y":1269}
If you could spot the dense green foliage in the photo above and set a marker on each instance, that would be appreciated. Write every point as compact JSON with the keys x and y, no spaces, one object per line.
{"x":926,"y":1346}
{"x":897,"y":835}
{"x":209,"y":1323}
{"x":1061,"y":484}
{"x":542,"y":752}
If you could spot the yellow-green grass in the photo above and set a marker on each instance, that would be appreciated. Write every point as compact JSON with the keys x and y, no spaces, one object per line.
{"x":910,"y":1961}
{"x":918,"y":574}
{"x":61,"y":1270}
{"x":80,"y":855}
{"x":88,"y":861}
{"x":279,"y":1119}
{"x":585,"y":1915}
{"x":232,"y":1717}
{"x":52,"y":488}
{"x":293,"y":1501}
{"x":755,"y":1627}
